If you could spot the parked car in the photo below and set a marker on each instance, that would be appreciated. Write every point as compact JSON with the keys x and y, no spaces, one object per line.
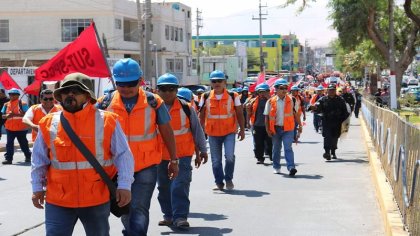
{"x":415,"y":92}
{"x":413,"y":82}
{"x":194,"y":88}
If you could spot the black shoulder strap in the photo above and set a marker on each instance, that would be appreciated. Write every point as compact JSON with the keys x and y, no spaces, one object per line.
{"x":232,"y":95}
{"x":104,"y":104}
{"x":88,"y":155}
{"x":20,"y":105}
{"x":205,"y":96}
{"x":186,"y":108}
{"x":151,"y":100}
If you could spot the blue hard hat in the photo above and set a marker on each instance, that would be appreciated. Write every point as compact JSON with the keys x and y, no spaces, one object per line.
{"x":319,"y":88}
{"x":126,"y":70}
{"x":281,"y":82}
{"x":245,"y":88}
{"x":14,"y":91}
{"x":217,"y":74}
{"x":262,"y":87}
{"x":233,"y":90}
{"x":167,"y":79}
{"x":185,"y":94}
{"x":239,"y":90}
{"x":294,"y":88}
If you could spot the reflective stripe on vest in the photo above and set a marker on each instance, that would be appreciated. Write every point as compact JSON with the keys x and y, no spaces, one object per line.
{"x":184,"y":129}
{"x":99,"y":132}
{"x":220,"y":117}
{"x":147,"y":126}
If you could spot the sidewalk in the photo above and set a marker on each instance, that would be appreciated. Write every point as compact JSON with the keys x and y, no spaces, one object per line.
{"x":3,"y":142}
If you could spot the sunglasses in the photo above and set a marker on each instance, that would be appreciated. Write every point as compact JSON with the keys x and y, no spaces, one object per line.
{"x":217,"y":81}
{"x":73,"y":90}
{"x":280,"y":87}
{"x":130,"y":84}
{"x":167,"y":88}
{"x":48,"y":99}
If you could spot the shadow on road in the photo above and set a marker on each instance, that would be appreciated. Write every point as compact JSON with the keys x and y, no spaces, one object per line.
{"x":202,"y":231}
{"x":360,"y":161}
{"x":2,"y":179}
{"x":21,"y":163}
{"x":298,"y":176}
{"x":308,"y":142}
{"x":208,"y":217}
{"x":246,"y":193}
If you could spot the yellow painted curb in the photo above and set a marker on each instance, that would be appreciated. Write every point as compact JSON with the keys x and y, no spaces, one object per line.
{"x":390,"y":213}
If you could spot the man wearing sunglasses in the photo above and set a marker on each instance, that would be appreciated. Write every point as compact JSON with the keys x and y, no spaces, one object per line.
{"x":141,"y":115}
{"x":174,"y":194}
{"x":220,"y":115}
{"x":281,"y":113}
{"x":13,"y":111}
{"x":36,"y":112}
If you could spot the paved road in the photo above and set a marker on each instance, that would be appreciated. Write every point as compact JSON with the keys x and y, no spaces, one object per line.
{"x":325,"y":198}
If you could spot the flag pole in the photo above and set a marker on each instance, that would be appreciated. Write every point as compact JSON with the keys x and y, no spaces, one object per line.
{"x":103,"y":54}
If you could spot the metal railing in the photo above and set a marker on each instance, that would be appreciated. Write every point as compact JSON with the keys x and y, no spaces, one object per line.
{"x":397,"y":143}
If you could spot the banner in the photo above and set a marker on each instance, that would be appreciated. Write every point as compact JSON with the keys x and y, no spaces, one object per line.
{"x":82,"y":55}
{"x":34,"y":88}
{"x":7,"y":81}
{"x":261,"y":79}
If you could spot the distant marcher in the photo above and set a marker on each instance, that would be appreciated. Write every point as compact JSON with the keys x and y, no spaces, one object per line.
{"x":358,"y":103}
{"x":61,"y":174}
{"x":334,"y":113}
{"x":317,"y":118}
{"x":385,"y":97}
{"x":281,"y":113}
{"x":3,"y":100}
{"x":378,"y":98}
{"x":36,"y":112}
{"x":348,"y":97}
{"x":13,"y":111}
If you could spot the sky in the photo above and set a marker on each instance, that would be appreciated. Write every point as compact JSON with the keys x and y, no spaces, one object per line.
{"x":233,"y":17}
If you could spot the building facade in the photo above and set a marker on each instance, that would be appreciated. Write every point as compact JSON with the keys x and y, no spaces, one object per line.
{"x":32,"y":32}
{"x":279,"y":52}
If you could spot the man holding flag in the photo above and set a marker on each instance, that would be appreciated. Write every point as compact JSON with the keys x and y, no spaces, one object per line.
{"x":13,"y":111}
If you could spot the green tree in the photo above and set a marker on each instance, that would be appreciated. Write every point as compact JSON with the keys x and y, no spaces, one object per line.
{"x":252,"y":59}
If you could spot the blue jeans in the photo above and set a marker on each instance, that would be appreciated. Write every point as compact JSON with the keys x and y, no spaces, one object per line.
{"x":317,"y":121}
{"x":174,"y":194}
{"x":287,"y":139}
{"x":23,"y":143}
{"x":61,"y":220}
{"x":137,"y":222}
{"x":216,"y":145}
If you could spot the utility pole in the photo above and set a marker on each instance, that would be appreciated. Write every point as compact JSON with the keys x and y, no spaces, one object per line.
{"x":305,"y":59}
{"x":260,"y":18}
{"x":197,"y":41}
{"x":291,"y":54}
{"x":147,"y":22}
{"x":140,"y":28}
{"x":393,"y":98}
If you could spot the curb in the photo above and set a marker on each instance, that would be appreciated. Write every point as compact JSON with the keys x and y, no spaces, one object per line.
{"x":389,"y":210}
{"x":3,"y":149}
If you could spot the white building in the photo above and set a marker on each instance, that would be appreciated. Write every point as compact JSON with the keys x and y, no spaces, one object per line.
{"x":33,"y":31}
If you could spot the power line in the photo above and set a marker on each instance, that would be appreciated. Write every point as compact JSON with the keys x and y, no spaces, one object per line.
{"x":199,"y":24}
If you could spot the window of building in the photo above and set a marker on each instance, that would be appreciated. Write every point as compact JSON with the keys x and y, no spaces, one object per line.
{"x":179,"y":65}
{"x":176,"y":33}
{"x":181,"y":35}
{"x":172,"y":33}
{"x":170,"y":65}
{"x":72,"y":28}
{"x":131,"y":31}
{"x":188,"y":14}
{"x":194,"y":64}
{"x":4,"y":31}
{"x":117,"y":23}
{"x":167,"y":32}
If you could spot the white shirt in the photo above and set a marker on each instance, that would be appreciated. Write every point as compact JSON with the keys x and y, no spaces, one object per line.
{"x":279,"y":111}
{"x":30,"y":113}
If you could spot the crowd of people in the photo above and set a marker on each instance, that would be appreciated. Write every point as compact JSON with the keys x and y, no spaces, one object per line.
{"x":143,"y":140}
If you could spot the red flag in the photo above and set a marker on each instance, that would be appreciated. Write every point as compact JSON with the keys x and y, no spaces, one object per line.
{"x":82,"y":55}
{"x":260,"y":80}
{"x":33,"y":88}
{"x":7,"y":81}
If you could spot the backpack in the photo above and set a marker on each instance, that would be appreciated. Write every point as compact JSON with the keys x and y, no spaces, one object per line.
{"x":104,"y":104}
{"x":207,"y":94}
{"x":186,"y":108}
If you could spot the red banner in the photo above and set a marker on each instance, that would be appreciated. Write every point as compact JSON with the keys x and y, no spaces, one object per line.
{"x":260,"y":80}
{"x":82,"y":55}
{"x":7,"y":81}
{"x":33,"y":88}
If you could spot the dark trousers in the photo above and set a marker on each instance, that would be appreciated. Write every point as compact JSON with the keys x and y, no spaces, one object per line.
{"x":356,"y":109}
{"x":317,"y":122}
{"x":331,"y":133}
{"x":261,"y":142}
{"x":23,"y":143}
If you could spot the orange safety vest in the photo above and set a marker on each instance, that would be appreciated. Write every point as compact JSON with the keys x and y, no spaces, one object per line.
{"x":39,"y":114}
{"x":71,"y":180}
{"x":289,"y":119}
{"x":220,"y":115}
{"x":14,"y":123}
{"x":140,"y":129}
{"x":181,"y":126}
{"x":313,"y":99}
{"x":254,"y":106}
